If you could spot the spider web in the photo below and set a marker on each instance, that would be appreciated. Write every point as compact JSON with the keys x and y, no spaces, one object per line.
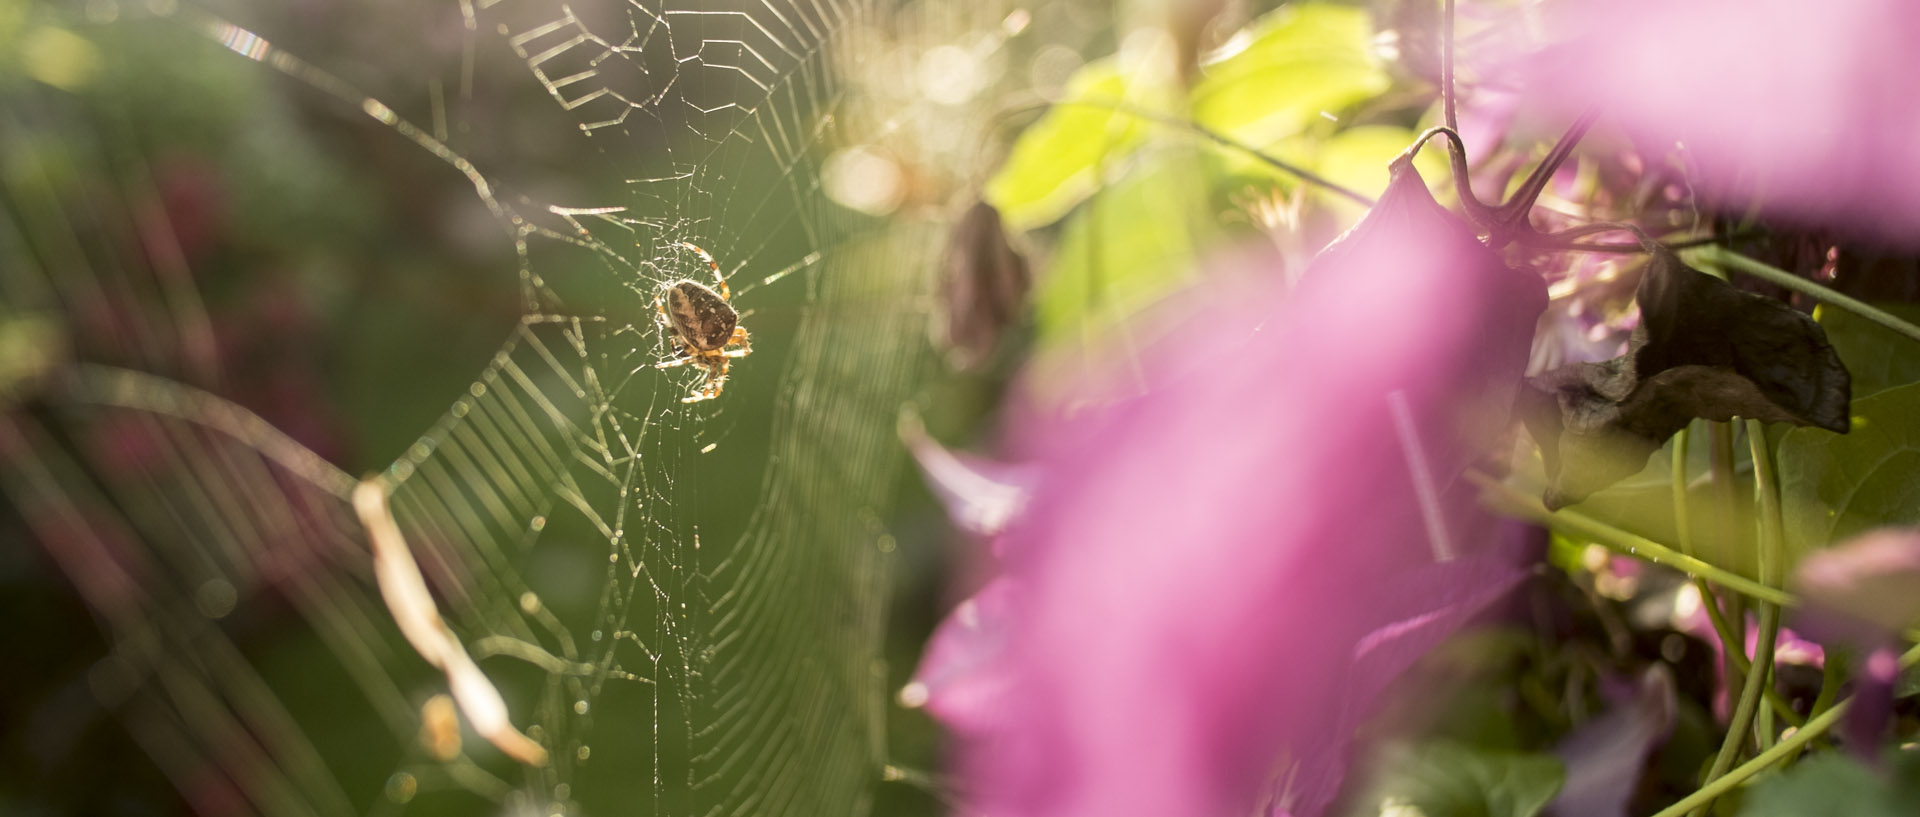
{"x":682,"y":603}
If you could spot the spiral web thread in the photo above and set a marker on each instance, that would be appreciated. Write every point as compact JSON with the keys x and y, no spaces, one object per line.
{"x":731,"y":661}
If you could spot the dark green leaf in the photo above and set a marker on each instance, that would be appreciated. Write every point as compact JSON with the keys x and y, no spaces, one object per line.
{"x":1702,"y":349}
{"x":1836,"y":785}
{"x":1877,"y":357}
{"x":1835,"y":488}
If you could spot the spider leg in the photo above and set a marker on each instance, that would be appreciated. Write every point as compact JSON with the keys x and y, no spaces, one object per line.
{"x":675,"y":361}
{"x":726,"y":294}
{"x":709,"y":387}
{"x":741,"y":339}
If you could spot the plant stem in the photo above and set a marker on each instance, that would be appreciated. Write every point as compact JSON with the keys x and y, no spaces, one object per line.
{"x":1677,"y":479}
{"x":1787,"y":747}
{"x":1730,"y":645}
{"x":1829,"y":689}
{"x":1773,"y":557}
{"x":1446,"y":66}
{"x":1226,"y":141}
{"x":1774,"y":275}
{"x":1720,"y":459}
{"x":1735,"y":649}
{"x":1760,"y":670}
{"x":1510,"y":500}
{"x":1756,"y":678}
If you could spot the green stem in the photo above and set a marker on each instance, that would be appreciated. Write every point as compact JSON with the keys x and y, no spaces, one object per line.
{"x":1773,"y":552}
{"x":1446,"y":67}
{"x":1720,"y":459}
{"x":1786,"y":748}
{"x":1734,"y":647}
{"x":1756,"y":679}
{"x":1682,"y":522}
{"x":1829,"y":688}
{"x":1730,"y":645}
{"x":1228,"y":142}
{"x":1774,"y":275}
{"x":1510,"y":500}
{"x":1771,"y":558}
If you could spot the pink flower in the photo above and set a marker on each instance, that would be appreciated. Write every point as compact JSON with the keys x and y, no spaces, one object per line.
{"x":1803,"y":109}
{"x":1212,"y":580}
{"x":1861,"y":593}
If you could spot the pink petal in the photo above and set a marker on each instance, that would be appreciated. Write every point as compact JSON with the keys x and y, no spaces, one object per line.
{"x":963,"y":677}
{"x":1201,"y":563}
{"x":1804,"y":109}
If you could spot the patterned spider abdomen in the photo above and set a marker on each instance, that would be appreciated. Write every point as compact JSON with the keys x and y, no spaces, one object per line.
{"x":700,"y":316}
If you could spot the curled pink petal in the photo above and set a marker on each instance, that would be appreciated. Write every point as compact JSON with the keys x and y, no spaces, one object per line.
{"x":1864,"y":590}
{"x":981,"y":496}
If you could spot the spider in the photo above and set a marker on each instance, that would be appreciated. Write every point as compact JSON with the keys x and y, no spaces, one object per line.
{"x":706,"y":331}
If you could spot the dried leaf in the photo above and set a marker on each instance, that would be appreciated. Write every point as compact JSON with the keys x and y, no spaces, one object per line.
{"x":983,"y":288}
{"x":1702,"y":349}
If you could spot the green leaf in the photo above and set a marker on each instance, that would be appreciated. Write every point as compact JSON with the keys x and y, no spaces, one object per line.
{"x":1057,"y":162}
{"x":1300,"y":60}
{"x":1642,"y":504}
{"x":1878,"y":357}
{"x":1834,"y":487}
{"x":1130,"y":247}
{"x":1836,"y":785}
{"x":1447,"y":779}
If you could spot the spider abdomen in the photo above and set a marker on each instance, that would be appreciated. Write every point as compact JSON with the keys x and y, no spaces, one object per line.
{"x":699,"y":315}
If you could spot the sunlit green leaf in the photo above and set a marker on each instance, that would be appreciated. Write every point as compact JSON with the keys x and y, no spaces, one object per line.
{"x":1058,"y":161}
{"x":1833,"y":487}
{"x":1129,"y":247}
{"x":1299,"y":61}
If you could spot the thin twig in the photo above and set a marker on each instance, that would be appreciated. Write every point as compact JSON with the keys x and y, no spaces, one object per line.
{"x":1509,"y":499}
{"x":1446,"y":67}
{"x":1226,"y":141}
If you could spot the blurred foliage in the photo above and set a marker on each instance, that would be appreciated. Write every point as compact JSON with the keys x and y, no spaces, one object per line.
{"x":1837,"y":785}
{"x":1143,"y":197}
{"x":1446,"y":779}
{"x":1299,"y":63}
{"x":1060,"y":160}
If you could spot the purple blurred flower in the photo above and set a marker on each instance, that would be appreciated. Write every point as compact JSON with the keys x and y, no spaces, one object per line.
{"x":1604,"y":758}
{"x":1211,"y":581}
{"x":1803,"y":109}
{"x":1861,"y":594}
